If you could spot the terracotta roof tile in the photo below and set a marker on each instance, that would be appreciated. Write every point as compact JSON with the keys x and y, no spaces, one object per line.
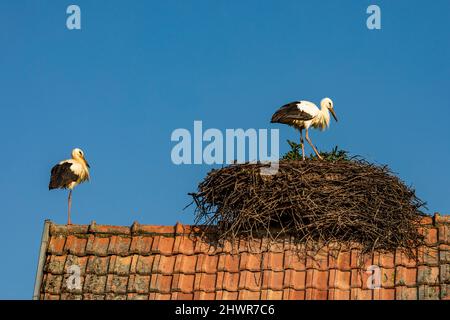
{"x":206,"y":263}
{"x":445,"y":273}
{"x":273,"y":261}
{"x":388,"y":277}
{"x":444,"y":253}
{"x":444,"y":234}
{"x":95,"y":284}
{"x":405,"y":276}
{"x":160,"y":296}
{"x":53,"y":283}
{"x":317,"y":261}
{"x":97,"y":265}
{"x":295,"y":279}
{"x":360,"y":294}
{"x":250,"y":262}
{"x":385,"y":260}
{"x":292,"y":260}
{"x":155,"y":230}
{"x":55,"y":264}
{"x":384,"y":294}
{"x":94,"y":228}
{"x":97,"y":246}
{"x":183,"y":282}
{"x":68,"y":285}
{"x":116,"y":284}
{"x":316,"y":279}
{"x":162,"y":245}
{"x":228,"y":262}
{"x":144,"y":264}
{"x":201,"y":295}
{"x":358,"y":260}
{"x":341,"y":262}
{"x":141,"y":245}
{"x":204,"y":247}
{"x":406,"y":293}
{"x":291,"y":294}
{"x":250,"y":246}
{"x":445,"y":291}
{"x":119,"y":245}
{"x":137,"y":296}
{"x":429,"y":292}
{"x":337,"y":294}
{"x":161,"y":283}
{"x":430,"y":235}
{"x":75,"y":245}
{"x":249,"y":280}
{"x":72,"y":260}
{"x":230,"y":281}
{"x":249,"y":295}
{"x":428,"y":275}
{"x":339,"y":279}
{"x":402,"y":259}
{"x":56,"y":244}
{"x":114,"y":296}
{"x":169,"y":262}
{"x":48,"y":296}
{"x":70,"y":296}
{"x":428,"y":256}
{"x":163,"y":264}
{"x":185,"y":264}
{"x":138,"y":283}
{"x":184,"y":245}
{"x":277,"y":247}
{"x":271,"y":295}
{"x":120,"y":265}
{"x":205,"y":282}
{"x":273,"y":280}
{"x":316,"y":294}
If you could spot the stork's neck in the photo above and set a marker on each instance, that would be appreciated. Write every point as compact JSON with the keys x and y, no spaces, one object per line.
{"x":323,"y":118}
{"x":81,"y":161}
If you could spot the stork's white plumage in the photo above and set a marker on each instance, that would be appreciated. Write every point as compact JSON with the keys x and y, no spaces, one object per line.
{"x":68,"y":174}
{"x":304,"y":114}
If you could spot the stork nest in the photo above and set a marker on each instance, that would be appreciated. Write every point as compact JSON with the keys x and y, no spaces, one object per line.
{"x":344,"y":201}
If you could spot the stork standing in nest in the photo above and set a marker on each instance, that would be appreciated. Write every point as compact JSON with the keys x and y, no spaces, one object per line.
{"x":304,"y":114}
{"x":68,"y":174}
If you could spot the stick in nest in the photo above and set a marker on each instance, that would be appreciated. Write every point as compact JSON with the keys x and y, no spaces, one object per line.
{"x":325,"y":201}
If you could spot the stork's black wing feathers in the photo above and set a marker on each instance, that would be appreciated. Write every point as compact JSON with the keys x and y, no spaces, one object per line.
{"x":290,"y":112}
{"x":61,"y":176}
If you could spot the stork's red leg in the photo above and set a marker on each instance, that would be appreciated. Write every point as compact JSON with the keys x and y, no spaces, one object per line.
{"x":310,"y":143}
{"x":302,"y":144}
{"x":70,"y":205}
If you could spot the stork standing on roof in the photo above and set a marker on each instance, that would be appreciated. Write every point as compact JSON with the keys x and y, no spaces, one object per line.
{"x":68,"y":174}
{"x":304,"y":114}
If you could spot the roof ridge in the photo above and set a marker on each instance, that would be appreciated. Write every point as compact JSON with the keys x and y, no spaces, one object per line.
{"x":149,"y":229}
{"x":135,"y":229}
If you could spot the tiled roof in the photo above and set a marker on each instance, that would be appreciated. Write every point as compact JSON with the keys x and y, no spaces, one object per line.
{"x":166,"y":262}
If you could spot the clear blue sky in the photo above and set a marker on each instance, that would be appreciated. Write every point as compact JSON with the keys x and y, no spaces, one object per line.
{"x":140,"y":69}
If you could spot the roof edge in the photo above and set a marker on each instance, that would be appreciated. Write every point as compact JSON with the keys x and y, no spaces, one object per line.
{"x":42,"y":254}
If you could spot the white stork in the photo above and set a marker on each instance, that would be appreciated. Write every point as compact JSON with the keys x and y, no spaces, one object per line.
{"x":69,"y":173}
{"x":304,"y":114}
